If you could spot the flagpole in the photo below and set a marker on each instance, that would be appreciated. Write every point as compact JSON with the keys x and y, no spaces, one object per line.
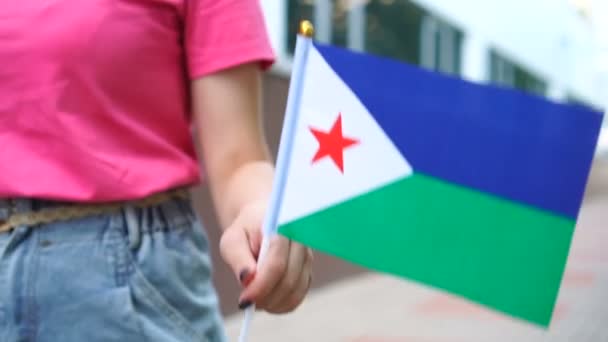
{"x":269,"y":228}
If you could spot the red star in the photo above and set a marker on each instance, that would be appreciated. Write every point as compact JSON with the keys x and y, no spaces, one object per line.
{"x":332,"y":143}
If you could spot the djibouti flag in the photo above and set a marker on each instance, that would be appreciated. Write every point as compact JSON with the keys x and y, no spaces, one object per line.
{"x":467,"y":188}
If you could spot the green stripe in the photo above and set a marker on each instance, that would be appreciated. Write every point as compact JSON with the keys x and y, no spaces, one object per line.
{"x":504,"y":255}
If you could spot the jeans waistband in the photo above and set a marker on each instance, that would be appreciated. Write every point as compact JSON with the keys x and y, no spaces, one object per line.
{"x":20,"y":205}
{"x":14,"y":212}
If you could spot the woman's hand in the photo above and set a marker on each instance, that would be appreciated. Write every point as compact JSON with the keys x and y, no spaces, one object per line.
{"x":228,"y":117}
{"x":283,"y":279}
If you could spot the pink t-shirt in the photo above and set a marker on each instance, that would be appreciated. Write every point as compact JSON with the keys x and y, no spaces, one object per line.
{"x":94,"y":94}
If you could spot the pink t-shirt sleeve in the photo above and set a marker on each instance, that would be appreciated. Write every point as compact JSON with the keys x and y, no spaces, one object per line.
{"x":224,"y":33}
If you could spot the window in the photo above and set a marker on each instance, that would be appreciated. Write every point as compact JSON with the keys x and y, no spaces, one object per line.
{"x":392,"y":29}
{"x":441,"y":46}
{"x":576,"y":100}
{"x":506,"y":73}
{"x":297,"y":10}
{"x":396,"y":29}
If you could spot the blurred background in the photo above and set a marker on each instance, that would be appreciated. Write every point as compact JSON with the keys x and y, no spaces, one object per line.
{"x":556,"y":49}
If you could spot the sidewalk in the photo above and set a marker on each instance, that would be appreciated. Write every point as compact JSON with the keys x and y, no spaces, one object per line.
{"x":380,"y":308}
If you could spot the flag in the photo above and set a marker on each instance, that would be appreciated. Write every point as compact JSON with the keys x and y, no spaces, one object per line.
{"x":467,"y":188}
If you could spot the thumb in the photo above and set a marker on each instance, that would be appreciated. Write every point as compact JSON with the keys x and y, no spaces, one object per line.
{"x":235,"y":249}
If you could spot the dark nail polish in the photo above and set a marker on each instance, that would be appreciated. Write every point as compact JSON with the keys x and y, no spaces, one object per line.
{"x":243,"y":275}
{"x":244,"y":304}
{"x":246,"y":277}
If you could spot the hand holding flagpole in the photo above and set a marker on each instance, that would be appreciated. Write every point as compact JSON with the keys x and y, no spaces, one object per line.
{"x":269,"y":228}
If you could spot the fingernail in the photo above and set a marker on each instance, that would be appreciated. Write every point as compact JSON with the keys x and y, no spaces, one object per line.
{"x":244,"y":304}
{"x":243,"y":274}
{"x":245,"y":277}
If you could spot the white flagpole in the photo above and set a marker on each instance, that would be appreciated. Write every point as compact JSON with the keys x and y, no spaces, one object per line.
{"x":303,"y":43}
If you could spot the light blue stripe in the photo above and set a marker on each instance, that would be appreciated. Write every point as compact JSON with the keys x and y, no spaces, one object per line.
{"x":290,"y":121}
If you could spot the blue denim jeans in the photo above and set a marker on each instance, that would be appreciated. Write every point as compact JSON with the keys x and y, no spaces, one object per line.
{"x":138,"y":275}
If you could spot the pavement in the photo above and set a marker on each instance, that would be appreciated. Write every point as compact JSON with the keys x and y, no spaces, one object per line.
{"x":372,"y":307}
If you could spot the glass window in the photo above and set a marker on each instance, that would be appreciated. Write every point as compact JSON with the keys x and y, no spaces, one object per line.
{"x":396,"y":29}
{"x":392,"y":29}
{"x":297,"y":10}
{"x":441,"y":45}
{"x":576,"y":100}
{"x":507,"y":73}
{"x":339,"y":32}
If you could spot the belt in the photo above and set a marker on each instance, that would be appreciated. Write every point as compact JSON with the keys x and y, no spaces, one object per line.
{"x":79,"y":210}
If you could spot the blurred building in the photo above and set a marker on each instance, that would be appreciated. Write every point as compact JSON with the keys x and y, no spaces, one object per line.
{"x":546,"y":47}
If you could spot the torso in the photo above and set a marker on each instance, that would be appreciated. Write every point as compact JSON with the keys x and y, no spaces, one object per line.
{"x":93,"y":99}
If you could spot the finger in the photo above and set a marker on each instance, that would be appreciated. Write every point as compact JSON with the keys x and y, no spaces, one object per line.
{"x":295,"y":298}
{"x":269,"y":273}
{"x":235,"y":249}
{"x":295,"y":266}
{"x":255,"y":243}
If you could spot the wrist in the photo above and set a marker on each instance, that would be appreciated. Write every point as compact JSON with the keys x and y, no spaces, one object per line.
{"x":249,"y":185}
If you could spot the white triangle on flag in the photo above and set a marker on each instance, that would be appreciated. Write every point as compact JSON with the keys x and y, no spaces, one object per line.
{"x":371,"y":163}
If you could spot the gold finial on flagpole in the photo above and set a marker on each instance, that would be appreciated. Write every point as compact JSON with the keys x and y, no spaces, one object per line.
{"x":306,"y":28}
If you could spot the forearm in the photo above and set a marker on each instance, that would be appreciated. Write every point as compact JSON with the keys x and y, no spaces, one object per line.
{"x":251,"y":182}
{"x":238,"y":165}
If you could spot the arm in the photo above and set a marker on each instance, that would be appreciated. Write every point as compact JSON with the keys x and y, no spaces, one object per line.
{"x":227,"y":113}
